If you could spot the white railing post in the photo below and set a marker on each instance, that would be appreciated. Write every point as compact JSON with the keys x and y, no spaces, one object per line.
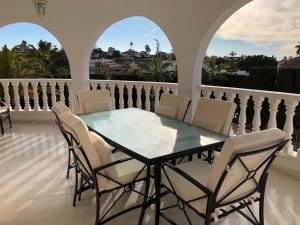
{"x":257,"y":108}
{"x":112,"y":95}
{"x":273,"y":111}
{"x":121,"y":97}
{"x":129,"y":92}
{"x":35,"y":95}
{"x":26,"y":96}
{"x":62,"y":92}
{"x":288,"y":126}
{"x":157,"y":90}
{"x":147,"y":98}
{"x":45,"y":98}
{"x":242,"y":116}
{"x":17,"y":96}
{"x":218,"y":95}
{"x":6,"y":93}
{"x":53,"y":92}
{"x":139,"y":96}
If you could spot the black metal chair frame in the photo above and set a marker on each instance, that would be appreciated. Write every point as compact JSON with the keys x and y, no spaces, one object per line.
{"x":88,"y":180}
{"x":213,"y":203}
{"x":4,"y":116}
{"x":68,"y":139}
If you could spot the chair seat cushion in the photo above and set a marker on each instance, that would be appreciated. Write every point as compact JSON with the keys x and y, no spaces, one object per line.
{"x":167,"y":110}
{"x":97,"y":106}
{"x":199,"y":170}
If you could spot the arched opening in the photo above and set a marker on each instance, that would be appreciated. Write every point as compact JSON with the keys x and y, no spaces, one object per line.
{"x":133,"y":49}
{"x":257,"y":48}
{"x":28,"y":51}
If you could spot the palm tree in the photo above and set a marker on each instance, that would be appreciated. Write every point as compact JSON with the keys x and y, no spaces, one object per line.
{"x":147,"y":48}
{"x":298,"y":49}
{"x":155,"y":68}
{"x":131,"y":44}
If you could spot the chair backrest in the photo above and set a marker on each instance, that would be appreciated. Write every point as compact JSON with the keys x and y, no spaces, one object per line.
{"x":59,"y":108}
{"x":243,"y":162}
{"x":84,"y":149}
{"x":215,"y":115}
{"x":173,"y":106}
{"x":94,"y":101}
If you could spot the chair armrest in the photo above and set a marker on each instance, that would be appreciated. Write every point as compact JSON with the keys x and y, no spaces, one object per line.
{"x":97,"y":169}
{"x":189,"y":178}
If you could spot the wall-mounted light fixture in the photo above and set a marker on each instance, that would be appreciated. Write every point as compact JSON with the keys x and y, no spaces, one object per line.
{"x":40,"y":7}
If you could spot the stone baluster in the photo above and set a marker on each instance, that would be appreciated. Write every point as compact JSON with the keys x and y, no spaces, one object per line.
{"x":157,"y":90}
{"x":112,"y":95}
{"x":139,"y":96}
{"x":218,"y":95}
{"x":45,"y":98}
{"x":129,"y":91}
{"x":206,"y":93}
{"x":35,"y":96}
{"x":53,"y":93}
{"x":62,"y":92}
{"x":273,"y":111}
{"x":289,"y":126}
{"x":6,"y":93}
{"x":242,"y":116}
{"x":257,"y":108}
{"x":230,"y":97}
{"x":17,"y":96}
{"x":26,"y":96}
{"x":121,"y":97}
{"x":147,"y":97}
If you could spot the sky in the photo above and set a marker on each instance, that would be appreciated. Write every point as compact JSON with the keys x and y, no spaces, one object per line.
{"x":268,"y":27}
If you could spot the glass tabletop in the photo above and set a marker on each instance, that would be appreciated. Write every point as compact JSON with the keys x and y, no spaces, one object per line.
{"x":150,"y":137}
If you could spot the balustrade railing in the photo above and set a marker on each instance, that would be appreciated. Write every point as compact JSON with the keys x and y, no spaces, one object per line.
{"x":27,"y":95}
{"x":140,"y":94}
{"x":261,"y":109}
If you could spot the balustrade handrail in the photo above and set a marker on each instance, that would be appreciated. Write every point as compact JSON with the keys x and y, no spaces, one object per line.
{"x":147,"y":83}
{"x":253,"y":92}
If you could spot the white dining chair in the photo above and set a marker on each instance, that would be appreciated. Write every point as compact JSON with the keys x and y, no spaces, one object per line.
{"x":98,"y":168}
{"x":215,"y":115}
{"x":173,"y":106}
{"x":236,"y":179}
{"x":94,"y":101}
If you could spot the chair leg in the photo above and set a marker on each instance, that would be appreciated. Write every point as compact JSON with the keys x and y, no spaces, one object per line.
{"x":262,"y":200}
{"x":97,"y":206}
{"x":80,"y":186}
{"x":76,"y":187}
{"x":1,"y":124}
{"x":69,"y":164}
{"x":9,"y":119}
{"x":145,"y":197}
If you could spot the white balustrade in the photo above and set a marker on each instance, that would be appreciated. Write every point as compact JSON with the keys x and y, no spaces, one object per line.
{"x":148,"y":97}
{"x":31,"y":91}
{"x":129,"y":92}
{"x":121,"y":95}
{"x":274,"y":98}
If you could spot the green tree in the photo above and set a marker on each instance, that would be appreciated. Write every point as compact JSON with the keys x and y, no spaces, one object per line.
{"x":256,"y":61}
{"x":5,"y":64}
{"x":131,"y":45}
{"x":155,"y":69}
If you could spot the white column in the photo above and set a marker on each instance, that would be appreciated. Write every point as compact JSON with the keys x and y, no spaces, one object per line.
{"x":139,"y":95}
{"x":6,"y":93}
{"x":35,"y":96}
{"x":157,"y":90}
{"x":129,"y":91}
{"x":17,"y":97}
{"x":121,"y":97}
{"x":45,"y":99}
{"x":147,"y":97}
{"x":26,"y":96}
{"x":257,"y":108}
{"x":288,"y":126}
{"x":112,"y":95}
{"x":273,"y":111}
{"x":242,"y":116}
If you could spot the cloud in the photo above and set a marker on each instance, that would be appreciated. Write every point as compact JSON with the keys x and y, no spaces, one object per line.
{"x":265,"y":23}
{"x":151,"y":32}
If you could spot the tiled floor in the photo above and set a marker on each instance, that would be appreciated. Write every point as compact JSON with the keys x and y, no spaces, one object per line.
{"x":34,"y":190}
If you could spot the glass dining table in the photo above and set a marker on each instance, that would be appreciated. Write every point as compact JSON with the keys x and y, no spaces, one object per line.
{"x":151,"y":139}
